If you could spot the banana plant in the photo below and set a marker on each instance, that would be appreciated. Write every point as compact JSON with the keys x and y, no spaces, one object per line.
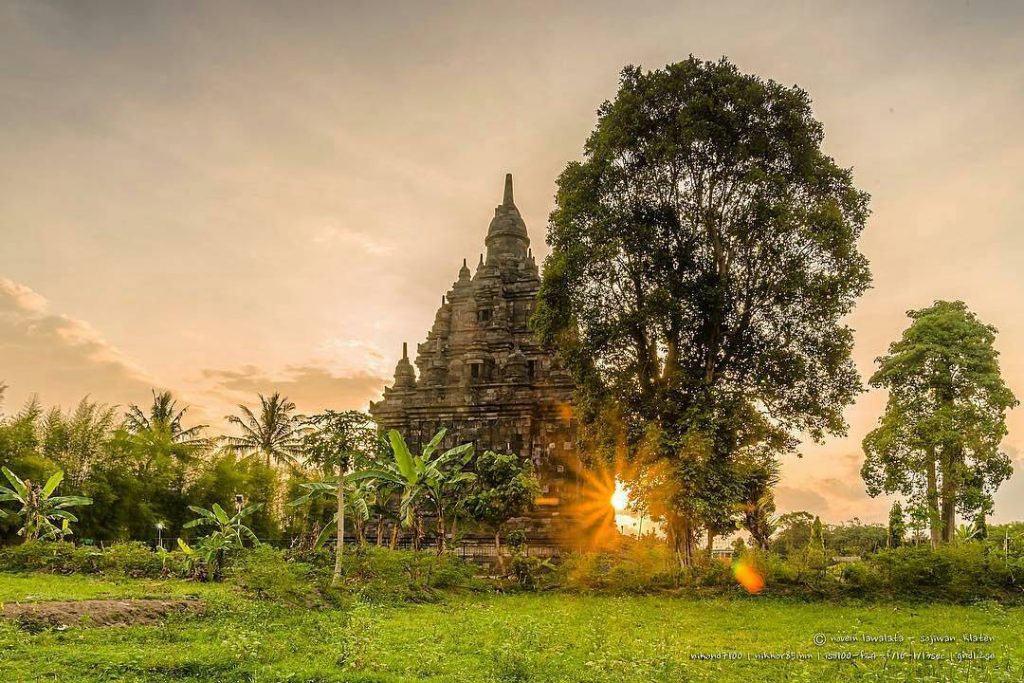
{"x":966,"y":532}
{"x":229,"y":533}
{"x":425,"y":477}
{"x":231,"y":527}
{"x":42,"y":514}
{"x":357,"y":496}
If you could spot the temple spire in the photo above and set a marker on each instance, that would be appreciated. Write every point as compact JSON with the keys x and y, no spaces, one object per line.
{"x":508,"y":200}
{"x":405,"y":350}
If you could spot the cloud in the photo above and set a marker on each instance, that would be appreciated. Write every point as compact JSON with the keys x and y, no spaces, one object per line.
{"x":311,"y":387}
{"x":350,"y":239}
{"x":60,"y":357}
{"x":790,"y":499}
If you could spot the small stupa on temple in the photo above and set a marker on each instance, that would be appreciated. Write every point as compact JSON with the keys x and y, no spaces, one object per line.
{"x":483,"y":375}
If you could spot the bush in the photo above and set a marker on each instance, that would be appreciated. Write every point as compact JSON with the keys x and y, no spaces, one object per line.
{"x":378,"y":575}
{"x":39,"y":556}
{"x":639,"y":567}
{"x":133,"y":559}
{"x":268,"y":574}
{"x":527,"y":572}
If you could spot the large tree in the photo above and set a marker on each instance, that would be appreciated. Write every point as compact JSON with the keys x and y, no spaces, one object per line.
{"x":704,"y":254}
{"x":938,"y":440}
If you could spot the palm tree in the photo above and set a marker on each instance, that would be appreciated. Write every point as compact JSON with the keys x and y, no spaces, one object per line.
{"x":160,"y":431}
{"x":275,"y":435}
{"x":40,"y":509}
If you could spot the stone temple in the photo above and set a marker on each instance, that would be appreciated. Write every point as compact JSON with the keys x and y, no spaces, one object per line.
{"x":484,"y":377}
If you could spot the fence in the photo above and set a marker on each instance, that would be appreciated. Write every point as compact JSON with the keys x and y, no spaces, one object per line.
{"x":479,"y":550}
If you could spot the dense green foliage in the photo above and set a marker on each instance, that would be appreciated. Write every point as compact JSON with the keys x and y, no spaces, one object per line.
{"x":938,"y":441}
{"x":508,"y":488}
{"x":141,"y":470}
{"x":704,"y":255}
{"x":431,"y":482}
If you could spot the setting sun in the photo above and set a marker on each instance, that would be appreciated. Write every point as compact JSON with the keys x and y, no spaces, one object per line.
{"x":620,"y":498}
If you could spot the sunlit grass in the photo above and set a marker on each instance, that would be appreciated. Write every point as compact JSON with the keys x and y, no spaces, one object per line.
{"x":528,"y":637}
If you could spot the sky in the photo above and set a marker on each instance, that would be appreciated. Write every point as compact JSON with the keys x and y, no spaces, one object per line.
{"x":239,"y":197}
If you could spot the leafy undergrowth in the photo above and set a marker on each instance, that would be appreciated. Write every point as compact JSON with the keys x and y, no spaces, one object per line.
{"x":477,"y":637}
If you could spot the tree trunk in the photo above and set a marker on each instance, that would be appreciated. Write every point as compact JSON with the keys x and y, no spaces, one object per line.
{"x":455,"y":527}
{"x":339,"y":542}
{"x":380,"y":530}
{"x":682,"y":539}
{"x":948,"y":500}
{"x":497,"y":551}
{"x":361,"y":532}
{"x":394,"y":535}
{"x":687,"y":542}
{"x":441,"y":545}
{"x":711,"y":543}
{"x":932,"y":495}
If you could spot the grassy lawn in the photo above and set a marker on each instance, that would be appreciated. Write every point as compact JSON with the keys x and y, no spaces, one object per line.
{"x":547,"y":637}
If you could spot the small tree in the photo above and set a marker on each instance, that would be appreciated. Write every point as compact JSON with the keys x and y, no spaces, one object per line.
{"x":981,"y":525}
{"x":817,"y":540}
{"x":508,"y":488}
{"x":229,"y":533}
{"x":897,"y":527}
{"x":42,"y":514}
{"x":336,"y":443}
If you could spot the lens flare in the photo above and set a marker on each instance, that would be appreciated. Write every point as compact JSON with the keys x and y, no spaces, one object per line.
{"x":620,"y":499}
{"x":748,"y":576}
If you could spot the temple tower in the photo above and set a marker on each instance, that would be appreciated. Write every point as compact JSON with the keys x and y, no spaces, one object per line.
{"x":483,"y":375}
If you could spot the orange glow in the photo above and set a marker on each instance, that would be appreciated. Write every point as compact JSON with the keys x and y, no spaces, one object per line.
{"x":591,"y":507}
{"x":620,"y":497}
{"x":748,"y":577}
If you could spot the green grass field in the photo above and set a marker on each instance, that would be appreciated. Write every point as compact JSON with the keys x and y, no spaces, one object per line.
{"x":528,"y":637}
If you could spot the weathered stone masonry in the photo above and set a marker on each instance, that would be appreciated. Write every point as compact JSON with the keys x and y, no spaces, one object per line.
{"x":483,"y":375}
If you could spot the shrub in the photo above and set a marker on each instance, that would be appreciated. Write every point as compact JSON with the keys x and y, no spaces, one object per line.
{"x":131,"y":558}
{"x":527,"y":571}
{"x":509,"y":666}
{"x":39,"y":556}
{"x":379,"y":575}
{"x":268,"y":574}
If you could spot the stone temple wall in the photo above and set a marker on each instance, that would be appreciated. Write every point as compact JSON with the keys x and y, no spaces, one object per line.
{"x":483,"y":375}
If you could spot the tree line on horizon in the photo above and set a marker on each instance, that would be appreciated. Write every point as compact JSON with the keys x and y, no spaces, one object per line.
{"x":291,"y":478}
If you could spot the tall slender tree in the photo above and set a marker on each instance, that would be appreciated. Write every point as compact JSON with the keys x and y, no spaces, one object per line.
{"x":336,"y":443}
{"x":160,"y":429}
{"x":938,"y":441}
{"x":897,"y":526}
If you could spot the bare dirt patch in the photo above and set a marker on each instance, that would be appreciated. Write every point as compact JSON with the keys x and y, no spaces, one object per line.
{"x":51,"y":614}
